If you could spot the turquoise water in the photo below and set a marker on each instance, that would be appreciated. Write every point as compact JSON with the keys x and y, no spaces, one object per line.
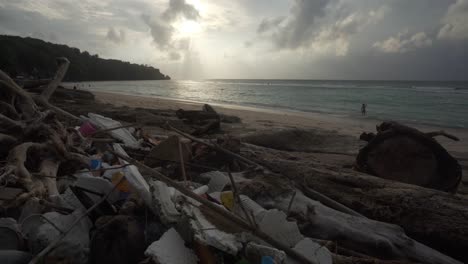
{"x":433,"y":103}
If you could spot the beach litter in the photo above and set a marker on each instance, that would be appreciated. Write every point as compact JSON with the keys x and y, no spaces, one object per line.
{"x":90,"y":189}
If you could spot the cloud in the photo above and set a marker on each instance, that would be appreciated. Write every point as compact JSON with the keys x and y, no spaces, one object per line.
{"x":180,"y":8}
{"x":269,"y":23}
{"x":323,"y":26}
{"x":115,"y":36}
{"x":174,"y":56}
{"x":455,"y":22}
{"x":161,"y":31}
{"x":297,"y":28}
{"x":161,"y":27}
{"x":402,"y":44}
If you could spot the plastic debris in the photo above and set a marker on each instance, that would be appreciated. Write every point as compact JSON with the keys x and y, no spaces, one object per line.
{"x":165,"y":207}
{"x":205,"y":232}
{"x":255,"y":252}
{"x":87,"y":129}
{"x":170,"y":249}
{"x":122,"y":133}
{"x":313,"y":251}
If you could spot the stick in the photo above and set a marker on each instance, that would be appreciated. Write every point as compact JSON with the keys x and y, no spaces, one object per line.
{"x":291,"y":202}
{"x":228,"y":216}
{"x":61,"y":71}
{"x":215,"y":147}
{"x":328,"y":201}
{"x":181,"y":159}
{"x":52,"y":245}
{"x":238,"y":200}
{"x":442,"y":133}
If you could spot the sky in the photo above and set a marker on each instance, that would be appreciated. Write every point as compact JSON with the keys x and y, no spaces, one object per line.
{"x":259,"y":39}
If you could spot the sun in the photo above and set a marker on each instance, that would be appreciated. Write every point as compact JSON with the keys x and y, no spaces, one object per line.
{"x":188,"y":27}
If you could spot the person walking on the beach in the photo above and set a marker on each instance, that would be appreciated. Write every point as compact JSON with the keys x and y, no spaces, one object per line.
{"x":363,"y":109}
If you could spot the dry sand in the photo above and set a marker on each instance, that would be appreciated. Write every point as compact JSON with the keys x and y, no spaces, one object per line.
{"x":257,"y":118}
{"x":342,"y":132}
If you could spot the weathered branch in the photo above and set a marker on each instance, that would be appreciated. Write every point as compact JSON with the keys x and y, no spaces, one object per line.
{"x":442,"y":133}
{"x":61,"y":71}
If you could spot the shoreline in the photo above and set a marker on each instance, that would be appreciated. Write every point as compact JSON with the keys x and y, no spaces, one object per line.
{"x":262,"y":118}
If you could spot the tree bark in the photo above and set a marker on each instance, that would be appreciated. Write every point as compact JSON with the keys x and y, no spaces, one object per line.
{"x":435,"y":218}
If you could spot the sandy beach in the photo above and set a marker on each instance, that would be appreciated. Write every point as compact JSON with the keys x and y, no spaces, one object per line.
{"x":259,"y":118}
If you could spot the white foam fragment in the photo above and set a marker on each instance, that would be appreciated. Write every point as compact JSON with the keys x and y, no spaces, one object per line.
{"x":170,"y":249}
{"x":165,"y":206}
{"x":201,"y":190}
{"x":312,"y":251}
{"x":218,"y":180}
{"x":207,"y":233}
{"x":122,"y":133}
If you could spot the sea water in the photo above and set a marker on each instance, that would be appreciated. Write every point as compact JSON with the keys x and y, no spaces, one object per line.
{"x":433,"y":103}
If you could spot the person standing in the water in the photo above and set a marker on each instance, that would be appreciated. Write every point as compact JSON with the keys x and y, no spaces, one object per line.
{"x":363,"y":109}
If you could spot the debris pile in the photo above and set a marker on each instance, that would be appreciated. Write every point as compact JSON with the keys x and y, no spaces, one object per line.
{"x":89,"y":189}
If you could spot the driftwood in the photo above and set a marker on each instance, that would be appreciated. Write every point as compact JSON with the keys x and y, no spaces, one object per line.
{"x":402,"y":153}
{"x":373,"y":238}
{"x":33,"y":140}
{"x":437,"y":219}
{"x":203,"y":121}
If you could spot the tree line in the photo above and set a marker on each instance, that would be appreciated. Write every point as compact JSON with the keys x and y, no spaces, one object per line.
{"x":35,"y":58}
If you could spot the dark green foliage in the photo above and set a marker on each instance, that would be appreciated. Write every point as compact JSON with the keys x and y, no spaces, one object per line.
{"x":35,"y":57}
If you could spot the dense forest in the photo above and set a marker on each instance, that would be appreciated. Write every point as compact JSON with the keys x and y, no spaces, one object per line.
{"x":35,"y":58}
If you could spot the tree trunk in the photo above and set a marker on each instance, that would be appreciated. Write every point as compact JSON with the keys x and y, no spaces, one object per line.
{"x":401,"y":153}
{"x":435,"y":218}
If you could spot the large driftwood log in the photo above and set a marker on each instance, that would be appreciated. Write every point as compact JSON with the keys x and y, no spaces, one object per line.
{"x":372,"y":238}
{"x":437,"y":219}
{"x":405,"y":154}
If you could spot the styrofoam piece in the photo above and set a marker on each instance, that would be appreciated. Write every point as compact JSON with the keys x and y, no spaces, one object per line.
{"x":164,"y":205}
{"x":313,"y":251}
{"x":99,"y":185}
{"x":122,"y":133}
{"x":207,"y":233}
{"x":274,"y":223}
{"x":134,"y":177}
{"x":218,"y":180}
{"x":201,"y":190}
{"x":170,"y":249}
